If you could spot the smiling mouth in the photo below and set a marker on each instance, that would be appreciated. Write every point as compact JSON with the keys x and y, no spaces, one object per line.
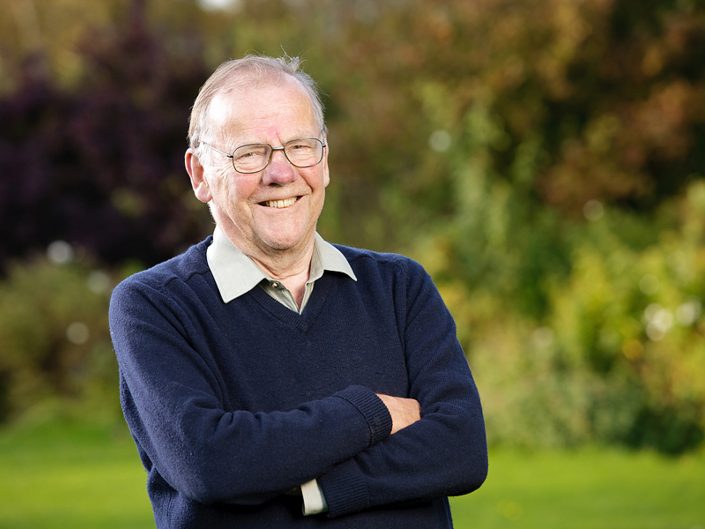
{"x":280,"y":204}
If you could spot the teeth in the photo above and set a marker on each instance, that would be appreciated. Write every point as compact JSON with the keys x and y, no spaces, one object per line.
{"x":280,"y":203}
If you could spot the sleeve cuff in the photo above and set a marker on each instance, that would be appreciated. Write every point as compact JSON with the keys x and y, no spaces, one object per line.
{"x":345,"y":489}
{"x":314,"y":501}
{"x":372,"y":409}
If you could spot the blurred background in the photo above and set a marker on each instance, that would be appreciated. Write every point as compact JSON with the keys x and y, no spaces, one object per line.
{"x":545,"y":161}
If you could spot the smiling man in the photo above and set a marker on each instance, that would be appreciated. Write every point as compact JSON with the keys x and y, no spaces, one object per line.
{"x":270,"y":378}
{"x":269,"y":213}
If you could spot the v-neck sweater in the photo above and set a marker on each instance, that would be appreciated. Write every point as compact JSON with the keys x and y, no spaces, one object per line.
{"x":231,"y":405}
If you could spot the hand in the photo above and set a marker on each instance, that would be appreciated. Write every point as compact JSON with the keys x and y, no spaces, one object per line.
{"x":404,"y":412}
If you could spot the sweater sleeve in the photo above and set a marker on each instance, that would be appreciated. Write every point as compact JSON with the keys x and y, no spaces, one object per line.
{"x":445,"y":453}
{"x":212,"y":454}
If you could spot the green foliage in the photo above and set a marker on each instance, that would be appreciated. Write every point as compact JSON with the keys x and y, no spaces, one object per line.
{"x":615,"y":355}
{"x":54,"y":338}
{"x":542,"y":160}
{"x":637,"y":316}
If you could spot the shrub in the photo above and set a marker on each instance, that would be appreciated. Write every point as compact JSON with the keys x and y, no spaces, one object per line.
{"x":616,"y":356}
{"x":54,"y":336}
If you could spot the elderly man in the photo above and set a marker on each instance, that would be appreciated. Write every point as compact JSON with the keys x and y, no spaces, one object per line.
{"x":271,"y":379}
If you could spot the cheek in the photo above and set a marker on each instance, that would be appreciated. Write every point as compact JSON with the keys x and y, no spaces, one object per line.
{"x":235,"y":196}
{"x":219,"y":191}
{"x":222,"y":186}
{"x":318,"y":180}
{"x":326,"y":173}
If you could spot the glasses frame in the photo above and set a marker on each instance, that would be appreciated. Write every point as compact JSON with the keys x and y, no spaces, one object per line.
{"x":271,"y":153}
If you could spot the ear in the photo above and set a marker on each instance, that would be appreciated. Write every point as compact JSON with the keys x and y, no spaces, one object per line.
{"x":196,"y":173}
{"x":326,"y":172}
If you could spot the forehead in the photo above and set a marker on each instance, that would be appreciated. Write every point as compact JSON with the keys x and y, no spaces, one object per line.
{"x":261,"y":109}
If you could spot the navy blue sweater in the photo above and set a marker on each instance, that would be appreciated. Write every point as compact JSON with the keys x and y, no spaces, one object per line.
{"x":233,"y":405}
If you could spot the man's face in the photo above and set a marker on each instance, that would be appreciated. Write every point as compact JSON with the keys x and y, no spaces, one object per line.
{"x":276,"y":209}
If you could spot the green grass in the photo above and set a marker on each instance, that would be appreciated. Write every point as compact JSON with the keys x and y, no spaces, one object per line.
{"x":594,"y":488}
{"x":71,"y":476}
{"x":88,"y":476}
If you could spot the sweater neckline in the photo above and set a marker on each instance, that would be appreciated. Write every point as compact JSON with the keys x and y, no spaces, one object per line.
{"x":313,"y":307}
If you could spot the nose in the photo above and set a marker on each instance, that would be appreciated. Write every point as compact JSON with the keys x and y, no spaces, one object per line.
{"x":279,"y":171}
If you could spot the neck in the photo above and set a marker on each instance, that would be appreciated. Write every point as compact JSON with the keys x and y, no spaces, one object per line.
{"x":292,"y":271}
{"x":290,"y":266}
{"x":284,"y":266}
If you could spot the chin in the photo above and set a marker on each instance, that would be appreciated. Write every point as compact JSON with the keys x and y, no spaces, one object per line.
{"x":281,"y":245}
{"x":285,"y":241}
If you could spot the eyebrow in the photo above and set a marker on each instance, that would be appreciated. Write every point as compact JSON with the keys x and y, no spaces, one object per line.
{"x":231,"y":146}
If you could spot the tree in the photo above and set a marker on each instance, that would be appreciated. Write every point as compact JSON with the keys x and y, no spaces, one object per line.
{"x":101,"y":166}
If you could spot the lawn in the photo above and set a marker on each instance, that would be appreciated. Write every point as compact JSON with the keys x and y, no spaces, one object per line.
{"x":88,"y":476}
{"x":587,"y":489}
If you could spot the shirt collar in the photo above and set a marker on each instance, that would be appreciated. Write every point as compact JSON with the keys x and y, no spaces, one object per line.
{"x":236,"y":274}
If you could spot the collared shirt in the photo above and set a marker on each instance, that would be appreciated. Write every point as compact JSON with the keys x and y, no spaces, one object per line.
{"x":236,"y":274}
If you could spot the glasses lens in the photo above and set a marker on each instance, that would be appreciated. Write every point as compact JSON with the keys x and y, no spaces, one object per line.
{"x":300,"y":153}
{"x":305,"y":152}
{"x":251,"y":158}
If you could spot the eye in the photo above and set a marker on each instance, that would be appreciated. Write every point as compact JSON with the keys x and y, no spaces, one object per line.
{"x":299,"y":146}
{"x":249,"y":152}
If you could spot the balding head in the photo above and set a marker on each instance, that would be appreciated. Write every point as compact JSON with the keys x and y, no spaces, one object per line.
{"x":250,"y":70}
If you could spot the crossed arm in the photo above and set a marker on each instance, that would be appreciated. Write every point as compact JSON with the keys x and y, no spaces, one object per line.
{"x":433,"y":447}
{"x":403,"y":412}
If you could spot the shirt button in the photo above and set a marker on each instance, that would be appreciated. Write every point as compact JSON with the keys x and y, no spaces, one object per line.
{"x":275,"y":284}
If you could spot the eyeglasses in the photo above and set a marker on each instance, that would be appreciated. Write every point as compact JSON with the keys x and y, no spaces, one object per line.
{"x":253,"y":158}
